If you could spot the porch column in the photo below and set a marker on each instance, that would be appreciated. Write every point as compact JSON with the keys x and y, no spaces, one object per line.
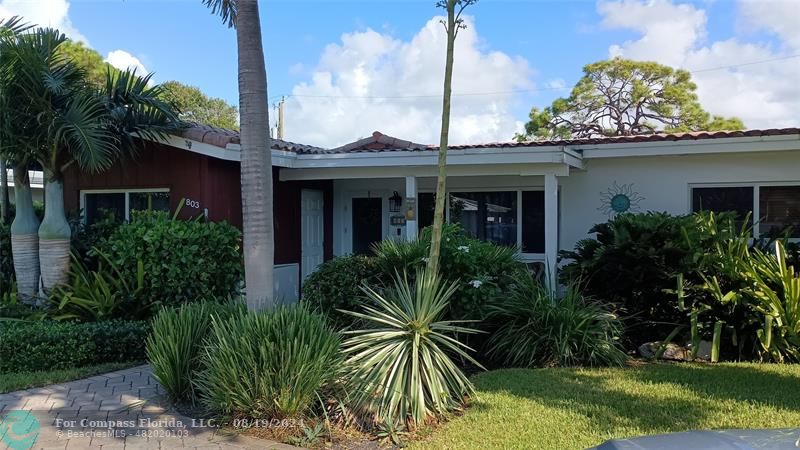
{"x":411,"y":203}
{"x":551,"y":229}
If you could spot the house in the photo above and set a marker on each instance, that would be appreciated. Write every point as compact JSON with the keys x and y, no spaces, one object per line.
{"x":540,"y":196}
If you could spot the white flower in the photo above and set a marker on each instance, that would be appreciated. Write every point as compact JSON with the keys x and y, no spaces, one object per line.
{"x":476,"y":283}
{"x":463,"y":248}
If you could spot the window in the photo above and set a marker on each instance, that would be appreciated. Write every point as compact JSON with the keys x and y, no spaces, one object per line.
{"x":120,"y":203}
{"x":426,"y":203}
{"x":533,"y":222}
{"x":493,"y":216}
{"x":779,"y":208}
{"x":490,"y":216}
{"x":738,"y":199}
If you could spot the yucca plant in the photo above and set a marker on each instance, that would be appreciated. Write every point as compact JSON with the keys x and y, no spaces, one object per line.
{"x":402,"y":370}
{"x":538,"y":329}
{"x":175,"y":343}
{"x":269,"y":363}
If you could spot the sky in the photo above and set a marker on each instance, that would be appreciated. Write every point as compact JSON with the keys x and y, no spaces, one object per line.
{"x":348,"y":68}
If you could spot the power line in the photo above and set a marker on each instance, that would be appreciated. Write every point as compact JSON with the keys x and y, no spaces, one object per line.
{"x":511,"y":92}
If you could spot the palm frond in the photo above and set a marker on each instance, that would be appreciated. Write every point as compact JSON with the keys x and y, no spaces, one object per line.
{"x":225,"y":9}
{"x":137,"y":109}
{"x":82,"y":129}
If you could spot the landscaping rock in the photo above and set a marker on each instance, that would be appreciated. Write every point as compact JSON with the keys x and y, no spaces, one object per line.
{"x":673,"y":352}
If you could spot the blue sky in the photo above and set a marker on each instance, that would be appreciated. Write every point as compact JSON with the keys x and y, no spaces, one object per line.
{"x":181,"y":40}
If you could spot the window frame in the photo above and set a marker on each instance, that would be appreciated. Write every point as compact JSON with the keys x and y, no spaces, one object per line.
{"x":127,"y":193}
{"x":756,"y":185}
{"x":526,"y":257}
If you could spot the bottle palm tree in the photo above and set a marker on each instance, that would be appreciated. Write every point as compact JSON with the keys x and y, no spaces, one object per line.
{"x":24,"y":242}
{"x":70,"y":122}
{"x":256,"y":157}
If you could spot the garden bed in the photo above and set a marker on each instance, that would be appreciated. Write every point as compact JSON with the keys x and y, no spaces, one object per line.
{"x":576,"y":409}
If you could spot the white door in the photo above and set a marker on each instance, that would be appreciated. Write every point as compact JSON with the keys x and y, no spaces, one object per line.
{"x":313,"y":231}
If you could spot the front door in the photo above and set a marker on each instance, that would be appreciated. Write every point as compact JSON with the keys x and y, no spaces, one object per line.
{"x":312,"y":225}
{"x":367,"y":224}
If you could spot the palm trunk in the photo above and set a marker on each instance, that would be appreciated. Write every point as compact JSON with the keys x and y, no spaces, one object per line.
{"x":4,"y":202}
{"x":54,"y":237}
{"x":438,"y":214}
{"x":24,"y":240}
{"x":256,"y":159}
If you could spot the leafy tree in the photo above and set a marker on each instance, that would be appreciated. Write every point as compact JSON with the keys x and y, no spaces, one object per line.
{"x":196,"y":106}
{"x":453,"y":23}
{"x":256,"y":164}
{"x":92,"y":63}
{"x":621,"y":97}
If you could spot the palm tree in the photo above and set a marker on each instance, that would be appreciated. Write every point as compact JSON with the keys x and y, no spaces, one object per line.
{"x":24,"y":241}
{"x":70,"y":122}
{"x":256,"y":158}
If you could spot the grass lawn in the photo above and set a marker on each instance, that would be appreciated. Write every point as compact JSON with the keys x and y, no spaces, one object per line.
{"x":576,"y":409}
{"x":14,"y":381}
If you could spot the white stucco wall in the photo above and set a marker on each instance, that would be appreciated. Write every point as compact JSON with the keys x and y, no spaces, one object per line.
{"x":663,"y":182}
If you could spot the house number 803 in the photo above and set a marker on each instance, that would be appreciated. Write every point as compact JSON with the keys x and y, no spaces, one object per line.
{"x":192,"y":203}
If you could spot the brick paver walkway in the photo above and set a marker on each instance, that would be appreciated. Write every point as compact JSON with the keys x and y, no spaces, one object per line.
{"x":121,"y":410}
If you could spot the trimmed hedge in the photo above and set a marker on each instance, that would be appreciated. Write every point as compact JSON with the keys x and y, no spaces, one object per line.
{"x":184,"y":261}
{"x":336,"y":285}
{"x":46,"y":345}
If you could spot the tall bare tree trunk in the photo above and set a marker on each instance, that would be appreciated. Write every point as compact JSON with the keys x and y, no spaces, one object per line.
{"x":438,"y":215}
{"x":24,"y":238}
{"x":256,"y":159}
{"x":4,"y":201}
{"x":54,"y":237}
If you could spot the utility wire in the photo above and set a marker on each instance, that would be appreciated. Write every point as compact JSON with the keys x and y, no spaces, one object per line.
{"x":513,"y":92}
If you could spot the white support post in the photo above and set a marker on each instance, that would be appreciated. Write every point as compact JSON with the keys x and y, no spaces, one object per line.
{"x":551,"y":229}
{"x":411,"y":195}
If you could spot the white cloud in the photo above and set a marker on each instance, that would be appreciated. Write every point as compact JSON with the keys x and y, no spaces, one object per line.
{"x":762,"y":95}
{"x":123,"y":60}
{"x":378,"y":76}
{"x":781,"y":17}
{"x":44,"y":13}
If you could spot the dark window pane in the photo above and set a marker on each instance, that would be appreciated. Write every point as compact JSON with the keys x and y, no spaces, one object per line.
{"x":491,"y":216}
{"x":97,"y":206}
{"x":367,"y":224}
{"x":533,"y":222}
{"x":426,"y":203}
{"x":780,"y":210}
{"x":143,"y":201}
{"x":722,"y":199}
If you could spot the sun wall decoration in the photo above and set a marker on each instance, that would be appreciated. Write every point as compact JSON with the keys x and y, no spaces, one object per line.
{"x":618,"y":199}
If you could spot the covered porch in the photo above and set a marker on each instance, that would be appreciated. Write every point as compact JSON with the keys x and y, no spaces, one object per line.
{"x":509,"y":196}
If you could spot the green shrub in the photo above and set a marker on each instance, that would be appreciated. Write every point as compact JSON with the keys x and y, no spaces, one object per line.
{"x":537,"y":329}
{"x":767,"y":289}
{"x":87,"y":236}
{"x":481,"y":270}
{"x":184,"y":261}
{"x":268,"y":364}
{"x":336,"y":285}
{"x":634,"y":262}
{"x":401,"y":369}
{"x":175,"y":344}
{"x":46,"y":345}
